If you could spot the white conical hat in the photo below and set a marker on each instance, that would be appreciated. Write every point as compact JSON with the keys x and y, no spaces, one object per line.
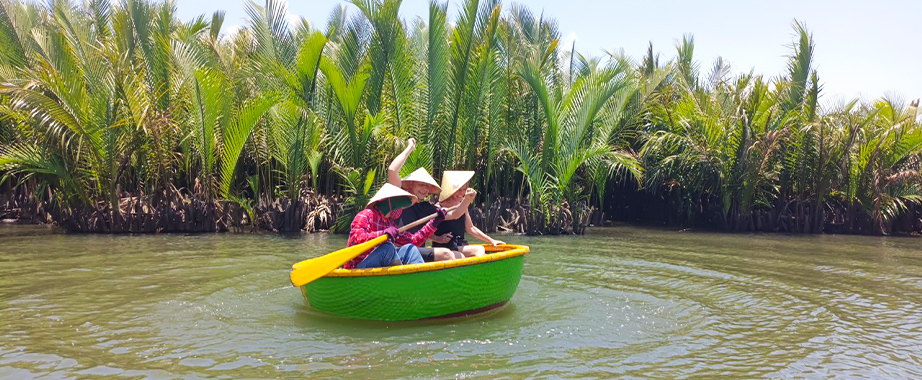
{"x":452,"y":181}
{"x":422,"y":176}
{"x":390,"y":191}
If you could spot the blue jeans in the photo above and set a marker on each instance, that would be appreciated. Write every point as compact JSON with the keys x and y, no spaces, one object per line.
{"x":387,"y":254}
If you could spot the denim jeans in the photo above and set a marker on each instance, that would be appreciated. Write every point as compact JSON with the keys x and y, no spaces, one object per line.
{"x":387,"y":254}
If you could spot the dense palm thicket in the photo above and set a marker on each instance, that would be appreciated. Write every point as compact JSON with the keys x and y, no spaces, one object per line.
{"x":120,"y":117}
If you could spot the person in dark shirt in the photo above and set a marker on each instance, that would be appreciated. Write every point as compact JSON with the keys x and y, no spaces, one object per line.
{"x":455,"y":191}
{"x":422,"y":185}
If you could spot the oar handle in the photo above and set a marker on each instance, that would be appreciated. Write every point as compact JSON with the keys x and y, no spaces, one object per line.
{"x":423,"y":220}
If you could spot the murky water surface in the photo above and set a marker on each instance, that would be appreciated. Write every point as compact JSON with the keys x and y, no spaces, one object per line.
{"x":621,"y":302}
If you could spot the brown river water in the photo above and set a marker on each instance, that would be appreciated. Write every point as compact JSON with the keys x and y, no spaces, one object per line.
{"x":621,"y":302}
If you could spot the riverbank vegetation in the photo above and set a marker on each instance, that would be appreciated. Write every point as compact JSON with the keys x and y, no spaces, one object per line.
{"x":120,"y":117}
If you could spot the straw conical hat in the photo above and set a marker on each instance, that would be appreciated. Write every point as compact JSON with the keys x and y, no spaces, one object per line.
{"x":389,"y":191}
{"x":422,"y":176}
{"x":452,"y":181}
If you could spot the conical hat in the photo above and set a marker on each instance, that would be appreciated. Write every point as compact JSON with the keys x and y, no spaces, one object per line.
{"x":452,"y":181}
{"x":389,"y":191}
{"x":422,"y":176}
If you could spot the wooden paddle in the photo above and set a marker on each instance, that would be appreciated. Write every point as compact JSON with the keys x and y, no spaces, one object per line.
{"x":309,"y":270}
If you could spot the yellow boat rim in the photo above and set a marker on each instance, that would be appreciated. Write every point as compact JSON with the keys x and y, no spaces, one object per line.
{"x":494,"y":253}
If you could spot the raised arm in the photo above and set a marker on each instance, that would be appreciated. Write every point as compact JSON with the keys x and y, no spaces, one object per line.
{"x":393,"y":171}
{"x":461,"y":210}
{"x":476,"y":232}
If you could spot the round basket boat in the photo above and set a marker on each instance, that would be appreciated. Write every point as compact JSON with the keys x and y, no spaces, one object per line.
{"x":418,"y":291}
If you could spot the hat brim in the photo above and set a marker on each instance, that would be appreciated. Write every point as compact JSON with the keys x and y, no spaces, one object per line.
{"x":452,"y":181}
{"x":421,"y":175}
{"x":390,"y":191}
{"x":432,"y":189}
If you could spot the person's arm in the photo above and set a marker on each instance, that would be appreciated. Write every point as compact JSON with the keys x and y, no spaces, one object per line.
{"x":476,"y":232}
{"x":441,"y":239}
{"x":419,"y":238}
{"x":461,"y":210}
{"x":393,"y":171}
{"x":361,"y":230}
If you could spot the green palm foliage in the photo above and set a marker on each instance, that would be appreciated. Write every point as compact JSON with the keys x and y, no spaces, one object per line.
{"x":884,"y":172}
{"x":571,"y":139}
{"x":288,"y":63}
{"x":108,"y":105}
{"x":717,"y":141}
{"x":67,"y":99}
{"x":737,"y":145}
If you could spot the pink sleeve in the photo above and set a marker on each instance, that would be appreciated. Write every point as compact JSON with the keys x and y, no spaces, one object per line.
{"x":419,"y":238}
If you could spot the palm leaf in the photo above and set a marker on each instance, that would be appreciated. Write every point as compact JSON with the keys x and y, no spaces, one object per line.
{"x":235,"y":135}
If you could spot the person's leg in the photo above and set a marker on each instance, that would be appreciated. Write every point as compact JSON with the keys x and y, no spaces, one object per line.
{"x":383,"y":256}
{"x":451,"y":246}
{"x":443,"y":254}
{"x":409,"y":254}
{"x":472,"y":250}
{"x":428,"y":254}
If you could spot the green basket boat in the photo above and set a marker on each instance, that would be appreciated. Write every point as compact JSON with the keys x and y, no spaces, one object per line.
{"x":419,"y":291}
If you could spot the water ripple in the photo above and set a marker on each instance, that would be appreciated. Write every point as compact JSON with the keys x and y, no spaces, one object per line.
{"x":623,"y":302}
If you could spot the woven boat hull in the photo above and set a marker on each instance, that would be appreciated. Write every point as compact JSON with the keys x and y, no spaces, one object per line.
{"x":419,"y":291}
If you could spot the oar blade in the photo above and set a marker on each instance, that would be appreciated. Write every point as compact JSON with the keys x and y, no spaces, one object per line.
{"x":309,"y":270}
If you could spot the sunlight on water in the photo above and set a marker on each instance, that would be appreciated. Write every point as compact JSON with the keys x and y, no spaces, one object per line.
{"x":625,"y":302}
